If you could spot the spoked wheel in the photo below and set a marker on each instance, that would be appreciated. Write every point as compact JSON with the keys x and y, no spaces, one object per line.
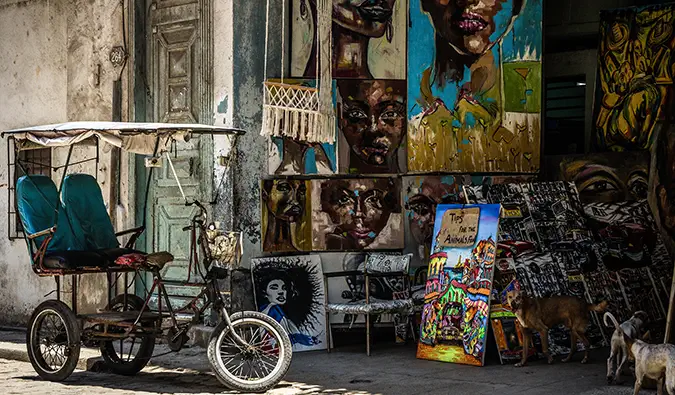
{"x":127,"y":356}
{"x":258,"y":367}
{"x":53,"y":340}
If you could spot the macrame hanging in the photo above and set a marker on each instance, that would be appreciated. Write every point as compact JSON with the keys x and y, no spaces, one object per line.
{"x":299,"y":112}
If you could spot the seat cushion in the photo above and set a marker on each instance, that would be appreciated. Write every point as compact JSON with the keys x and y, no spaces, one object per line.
{"x":402,"y":306}
{"x":74,"y":260}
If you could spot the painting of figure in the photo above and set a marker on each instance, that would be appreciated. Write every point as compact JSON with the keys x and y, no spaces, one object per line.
{"x":288,"y":156}
{"x":290,"y":290}
{"x":372,"y":123}
{"x":285,"y":217}
{"x":369,"y":38}
{"x":459,"y":282}
{"x":474,"y":85}
{"x":635,"y":76}
{"x":356,"y":214}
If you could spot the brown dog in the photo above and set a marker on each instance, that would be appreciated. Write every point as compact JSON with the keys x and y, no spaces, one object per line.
{"x":540,"y":314}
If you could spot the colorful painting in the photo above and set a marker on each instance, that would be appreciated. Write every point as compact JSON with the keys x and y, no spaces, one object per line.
{"x":290,"y":290}
{"x":635,"y":77}
{"x":474,"y":85}
{"x":508,"y":334}
{"x":459,"y":283}
{"x":356,"y":214}
{"x":372,"y":121}
{"x":286,"y":215}
{"x":421,"y":194}
{"x":369,"y":38}
{"x":287,"y":156}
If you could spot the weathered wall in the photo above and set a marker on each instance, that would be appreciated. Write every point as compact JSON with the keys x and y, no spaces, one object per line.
{"x":49,"y":72}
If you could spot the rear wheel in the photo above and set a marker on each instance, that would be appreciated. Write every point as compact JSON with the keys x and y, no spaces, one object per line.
{"x":53,"y":340}
{"x":127,"y":356}
{"x":258,"y":367}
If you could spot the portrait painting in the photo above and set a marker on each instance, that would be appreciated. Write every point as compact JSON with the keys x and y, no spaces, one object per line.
{"x":635,"y":76}
{"x":356,"y":214}
{"x":289,"y":156}
{"x":290,"y":290}
{"x":372,"y":122}
{"x":455,"y":317}
{"x":369,"y":38}
{"x":474,"y":85}
{"x":286,"y":224}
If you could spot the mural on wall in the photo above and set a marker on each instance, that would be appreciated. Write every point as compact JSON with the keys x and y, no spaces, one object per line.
{"x":372,"y":121}
{"x":662,"y":185}
{"x":369,"y":38}
{"x":635,"y":77}
{"x":286,"y":215}
{"x":613,"y":189}
{"x":290,"y":290}
{"x":459,"y":283}
{"x":356,"y":214}
{"x":421,"y":194}
{"x":474,"y":85}
{"x":287,"y":156}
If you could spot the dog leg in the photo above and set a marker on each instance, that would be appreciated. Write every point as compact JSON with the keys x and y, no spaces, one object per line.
{"x":573,"y":347}
{"x":659,"y":386}
{"x":619,"y":370}
{"x":638,"y":385}
{"x":610,"y":365}
{"x":587,"y":345}
{"x":543,"y":334}
{"x":526,"y":347}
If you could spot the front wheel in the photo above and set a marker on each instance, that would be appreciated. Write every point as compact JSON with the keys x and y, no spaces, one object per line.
{"x":260,"y":366}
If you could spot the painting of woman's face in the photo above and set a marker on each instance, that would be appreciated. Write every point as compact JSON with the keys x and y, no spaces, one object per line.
{"x":466,"y":24}
{"x":285,"y":199}
{"x":276,"y":292}
{"x":359,"y":208}
{"x":373,"y":119}
{"x":365,"y":17}
{"x":422,"y":206}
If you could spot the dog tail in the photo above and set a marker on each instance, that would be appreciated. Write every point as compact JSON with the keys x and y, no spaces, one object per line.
{"x":614,"y":321}
{"x":598,"y":308}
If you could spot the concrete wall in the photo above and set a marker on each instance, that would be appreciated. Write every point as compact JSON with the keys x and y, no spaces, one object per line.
{"x":49,"y":72}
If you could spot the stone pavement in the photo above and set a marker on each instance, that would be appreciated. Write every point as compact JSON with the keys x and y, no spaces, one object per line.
{"x":390,"y":370}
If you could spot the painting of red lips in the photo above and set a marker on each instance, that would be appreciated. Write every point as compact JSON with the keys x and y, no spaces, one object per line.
{"x":372,"y":121}
{"x":356,"y":214}
{"x":470,"y":22}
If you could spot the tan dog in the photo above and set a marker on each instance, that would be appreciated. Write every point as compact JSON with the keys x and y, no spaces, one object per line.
{"x":619,"y":350}
{"x":652,"y":361}
{"x":540,"y":314}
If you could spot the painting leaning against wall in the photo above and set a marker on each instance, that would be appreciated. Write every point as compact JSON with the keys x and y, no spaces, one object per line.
{"x":372,"y":121}
{"x":286,"y":215}
{"x":459,"y":282}
{"x":369,"y":38}
{"x":635,"y":77}
{"x":474,"y":85}
{"x":290,"y":290}
{"x":356,"y":214}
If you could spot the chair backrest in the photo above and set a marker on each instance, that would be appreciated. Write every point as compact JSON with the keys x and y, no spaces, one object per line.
{"x":387,"y":263}
{"x":37,"y":201}
{"x":84,"y":205}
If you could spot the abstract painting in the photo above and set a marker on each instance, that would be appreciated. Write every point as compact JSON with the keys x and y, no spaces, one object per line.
{"x":287,"y":156}
{"x":369,"y":38}
{"x":635,"y":77}
{"x":459,"y":283}
{"x":474,"y":85}
{"x":421,"y":194}
{"x":286,"y":215}
{"x":290,"y":290}
{"x":356,"y":214}
{"x":372,"y":121}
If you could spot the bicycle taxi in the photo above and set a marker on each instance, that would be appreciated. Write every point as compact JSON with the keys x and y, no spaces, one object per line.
{"x":69,"y":233}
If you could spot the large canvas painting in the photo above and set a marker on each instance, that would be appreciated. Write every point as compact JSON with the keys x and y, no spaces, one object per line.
{"x":635,"y":77}
{"x":286,"y":217}
{"x":372,"y":121}
{"x":353,"y":214}
{"x":474,"y":85}
{"x":290,"y":289}
{"x":287,"y":156}
{"x":369,"y":38}
{"x":459,"y":283}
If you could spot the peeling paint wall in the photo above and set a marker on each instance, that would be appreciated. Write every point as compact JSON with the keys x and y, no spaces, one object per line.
{"x":49,"y":72}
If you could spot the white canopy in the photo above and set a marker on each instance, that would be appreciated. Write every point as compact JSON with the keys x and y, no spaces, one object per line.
{"x":139,"y":138}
